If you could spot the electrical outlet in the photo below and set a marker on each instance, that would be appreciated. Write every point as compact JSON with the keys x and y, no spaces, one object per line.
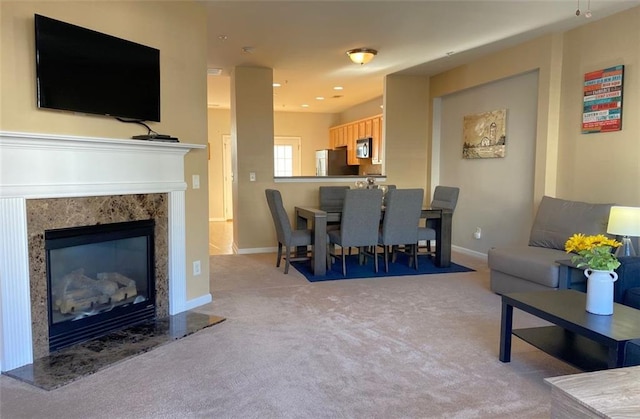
{"x":478,"y":234}
{"x":252,"y":176}
{"x":195,"y":180}
{"x":196,"y":268}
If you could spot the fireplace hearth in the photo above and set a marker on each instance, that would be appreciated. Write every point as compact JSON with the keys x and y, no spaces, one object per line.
{"x":100,"y":278}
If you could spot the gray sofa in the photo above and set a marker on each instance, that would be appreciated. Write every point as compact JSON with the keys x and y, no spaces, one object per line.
{"x":533,"y":267}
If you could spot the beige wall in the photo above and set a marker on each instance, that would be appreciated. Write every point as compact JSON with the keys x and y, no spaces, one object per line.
{"x":312,"y":128}
{"x":538,"y":55}
{"x":178,"y":29}
{"x":559,"y":60}
{"x":561,"y":150}
{"x":496,"y":192}
{"x":252,"y":136}
{"x":566,"y":163}
{"x":406,"y":111}
{"x":364,"y":110}
{"x":601,"y":167}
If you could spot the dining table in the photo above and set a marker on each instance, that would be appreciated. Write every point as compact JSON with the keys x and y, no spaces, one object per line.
{"x":316,"y":219}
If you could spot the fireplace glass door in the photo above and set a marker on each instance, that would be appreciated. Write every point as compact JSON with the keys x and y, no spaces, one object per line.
{"x":100,"y":278}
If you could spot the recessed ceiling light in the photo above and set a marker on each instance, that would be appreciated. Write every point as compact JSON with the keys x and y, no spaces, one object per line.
{"x":223,"y":37}
{"x":276,"y":85}
{"x":305,"y":105}
{"x":319,"y":97}
{"x":338,"y":88}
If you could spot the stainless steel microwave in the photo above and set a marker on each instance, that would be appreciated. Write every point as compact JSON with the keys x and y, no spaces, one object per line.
{"x":363,"y":148}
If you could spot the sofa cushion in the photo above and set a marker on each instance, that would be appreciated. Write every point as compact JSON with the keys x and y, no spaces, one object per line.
{"x":558,"y":219}
{"x":632,"y":297}
{"x":535,"y":264}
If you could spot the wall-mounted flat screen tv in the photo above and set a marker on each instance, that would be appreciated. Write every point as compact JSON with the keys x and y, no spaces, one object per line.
{"x":81,"y":70}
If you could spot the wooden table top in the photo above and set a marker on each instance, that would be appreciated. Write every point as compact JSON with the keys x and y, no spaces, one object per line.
{"x":609,"y":394}
{"x":570,"y":306}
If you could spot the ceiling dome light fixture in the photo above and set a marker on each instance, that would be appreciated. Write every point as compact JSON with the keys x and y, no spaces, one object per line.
{"x":362,"y":55}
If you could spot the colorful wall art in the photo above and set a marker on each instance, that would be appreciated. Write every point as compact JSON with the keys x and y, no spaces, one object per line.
{"x":602,"y":100}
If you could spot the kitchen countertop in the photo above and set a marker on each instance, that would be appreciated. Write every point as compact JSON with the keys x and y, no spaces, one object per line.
{"x":319,"y":179}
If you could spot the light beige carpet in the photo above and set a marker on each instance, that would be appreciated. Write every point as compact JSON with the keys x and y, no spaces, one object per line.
{"x":395,"y":347}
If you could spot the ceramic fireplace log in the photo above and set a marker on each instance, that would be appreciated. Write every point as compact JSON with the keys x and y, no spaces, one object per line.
{"x":72,"y":304}
{"x":127,"y":286}
{"x":116,"y":277}
{"x":78,"y":292}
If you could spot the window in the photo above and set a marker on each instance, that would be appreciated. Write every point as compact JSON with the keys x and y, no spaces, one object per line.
{"x":286,"y":156}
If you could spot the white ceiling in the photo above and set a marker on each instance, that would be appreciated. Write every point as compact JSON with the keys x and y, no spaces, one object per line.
{"x":305,"y":42}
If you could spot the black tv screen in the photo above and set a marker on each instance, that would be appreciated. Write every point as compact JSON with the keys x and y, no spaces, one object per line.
{"x":81,"y":70}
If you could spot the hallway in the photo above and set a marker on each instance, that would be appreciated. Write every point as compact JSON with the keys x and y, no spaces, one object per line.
{"x":220,"y":238}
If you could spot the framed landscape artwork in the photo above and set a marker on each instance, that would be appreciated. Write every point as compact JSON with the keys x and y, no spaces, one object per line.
{"x":484,"y":135}
{"x":602,"y":100}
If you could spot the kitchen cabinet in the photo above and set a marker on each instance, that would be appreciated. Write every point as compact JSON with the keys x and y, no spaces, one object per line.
{"x":337,"y":137}
{"x":333,"y":138}
{"x":368,"y":127}
{"x":345,"y":135}
{"x":342,"y":134}
{"x":376,"y":143}
{"x":361,"y":129}
{"x":352,"y":136}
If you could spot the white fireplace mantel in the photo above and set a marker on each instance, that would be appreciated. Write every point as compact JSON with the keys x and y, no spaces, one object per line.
{"x":55,"y":166}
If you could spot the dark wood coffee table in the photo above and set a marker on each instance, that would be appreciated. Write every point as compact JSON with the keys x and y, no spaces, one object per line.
{"x":587,"y":341}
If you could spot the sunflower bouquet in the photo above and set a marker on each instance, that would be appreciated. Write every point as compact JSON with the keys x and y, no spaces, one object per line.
{"x":594,"y":252}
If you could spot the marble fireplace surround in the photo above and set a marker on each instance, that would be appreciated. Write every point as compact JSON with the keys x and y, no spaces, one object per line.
{"x":44,"y":166}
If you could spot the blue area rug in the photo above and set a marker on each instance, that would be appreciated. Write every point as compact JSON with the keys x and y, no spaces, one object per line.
{"x":399,"y":268}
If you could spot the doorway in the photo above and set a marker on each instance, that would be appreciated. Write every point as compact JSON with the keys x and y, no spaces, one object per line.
{"x":221,"y":229}
{"x":286,"y":156}
{"x":227,"y":175}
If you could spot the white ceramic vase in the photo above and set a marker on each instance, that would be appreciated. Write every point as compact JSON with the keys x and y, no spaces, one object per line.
{"x":600,"y":291}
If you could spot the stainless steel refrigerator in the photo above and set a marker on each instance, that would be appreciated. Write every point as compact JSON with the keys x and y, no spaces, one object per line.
{"x":334,"y":163}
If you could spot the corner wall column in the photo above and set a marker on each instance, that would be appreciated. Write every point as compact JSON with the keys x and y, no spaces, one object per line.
{"x":16,"y":347}
{"x":252,"y":136}
{"x":177,"y":253}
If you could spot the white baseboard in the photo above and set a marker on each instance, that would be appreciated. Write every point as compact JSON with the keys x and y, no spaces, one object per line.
{"x":469,"y":252}
{"x":197,"y":302}
{"x":255,"y":250}
{"x":458,"y":249}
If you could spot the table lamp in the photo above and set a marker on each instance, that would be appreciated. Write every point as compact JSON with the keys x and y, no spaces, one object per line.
{"x":625,"y":222}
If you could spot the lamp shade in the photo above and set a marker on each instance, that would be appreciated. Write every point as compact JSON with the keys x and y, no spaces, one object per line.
{"x":361,"y":55}
{"x":624,"y":221}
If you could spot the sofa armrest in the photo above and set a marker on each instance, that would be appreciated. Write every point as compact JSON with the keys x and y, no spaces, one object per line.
{"x":628,"y":276}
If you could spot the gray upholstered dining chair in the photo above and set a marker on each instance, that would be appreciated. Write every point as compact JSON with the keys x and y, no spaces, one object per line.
{"x":331,"y":198}
{"x":287,"y":237}
{"x":359,"y":225}
{"x":445,"y":197}
{"x":400,"y":224}
{"x":386,"y":190}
